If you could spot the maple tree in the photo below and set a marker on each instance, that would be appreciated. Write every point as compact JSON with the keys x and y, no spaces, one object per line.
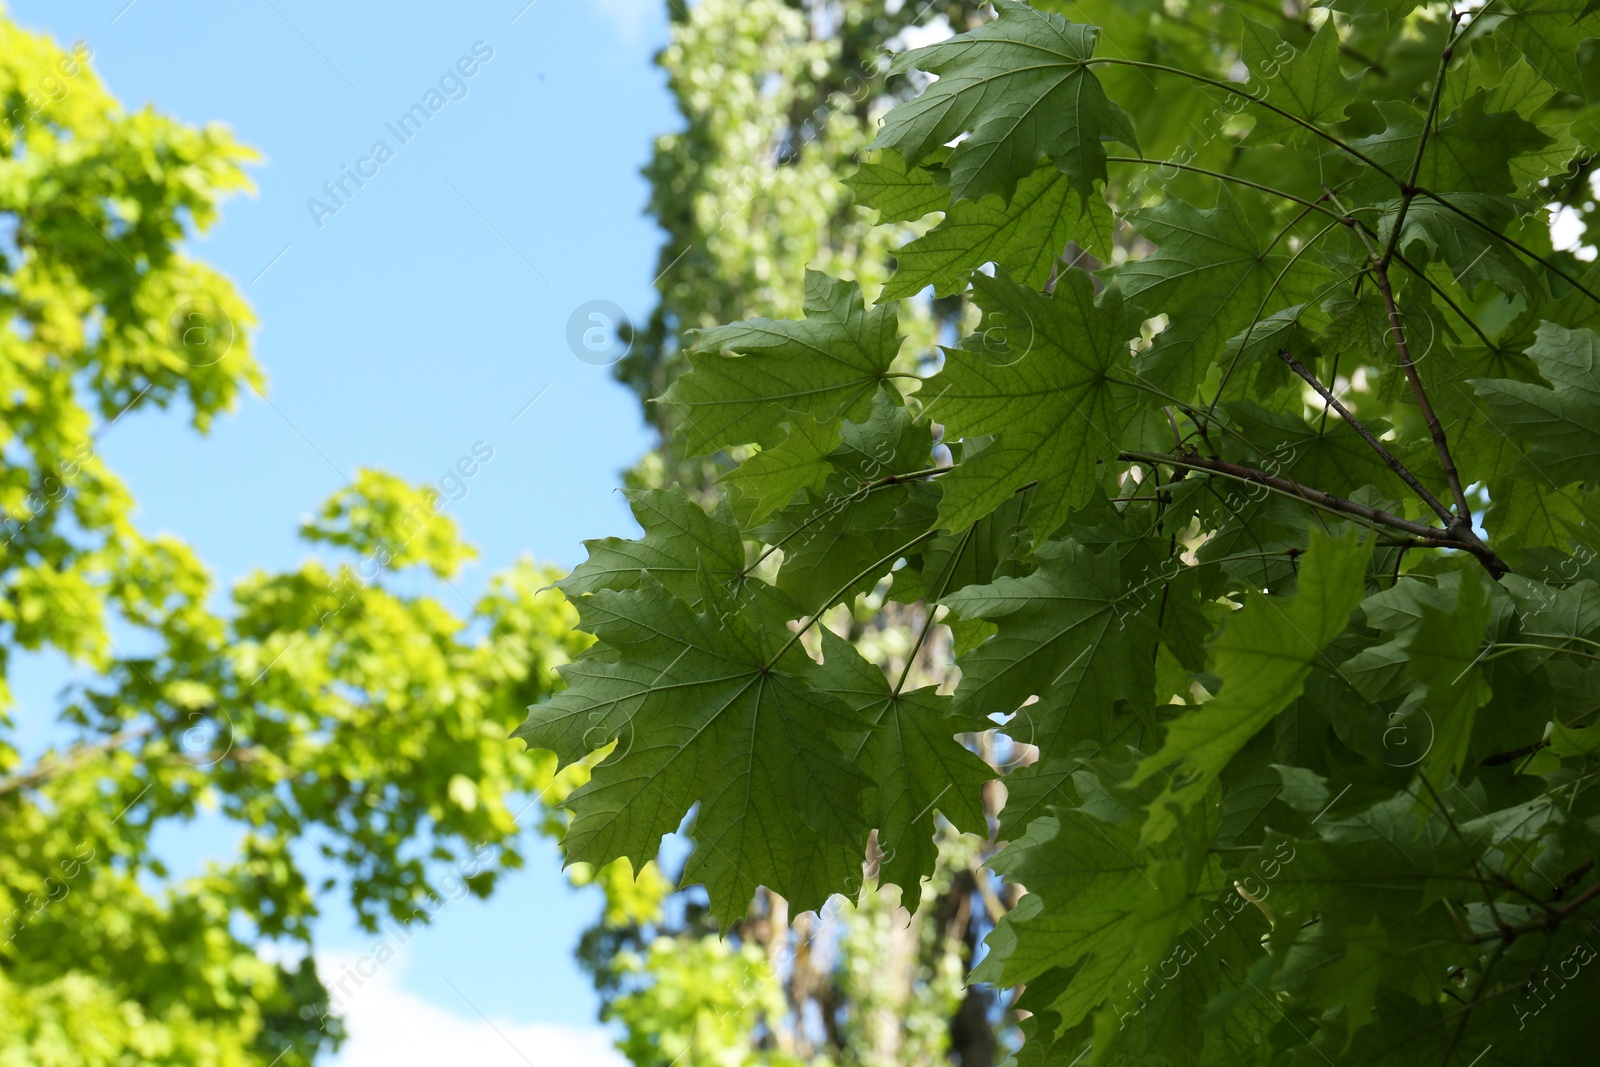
{"x":1269,"y":541}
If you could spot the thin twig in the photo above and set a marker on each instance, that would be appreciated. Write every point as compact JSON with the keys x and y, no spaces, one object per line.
{"x":1315,"y":497}
{"x":1408,"y":192}
{"x":1426,"y":536}
{"x":1366,"y":435}
{"x":1462,"y":525}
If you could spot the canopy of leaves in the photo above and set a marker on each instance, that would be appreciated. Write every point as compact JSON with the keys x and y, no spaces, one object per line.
{"x":1269,"y":537}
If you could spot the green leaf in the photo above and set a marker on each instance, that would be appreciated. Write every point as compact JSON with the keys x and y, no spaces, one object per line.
{"x":1471,"y":150}
{"x":1257,"y":349}
{"x":1443,"y":655}
{"x":1064,"y":636}
{"x":1395,"y":9}
{"x":1337,"y":969}
{"x":769,"y":480}
{"x":1213,"y":275}
{"x":680,"y":542}
{"x":977,"y":555}
{"x":1570,"y":612}
{"x":1095,"y":901}
{"x":1523,"y":90}
{"x":899,"y":193}
{"x":1581,"y":744}
{"x":1307,"y":83}
{"x":1561,"y":422}
{"x":1027,"y":237}
{"x":750,"y":377}
{"x":1547,"y":32}
{"x":1329,"y":454}
{"x":1019,"y":87}
{"x":1473,"y":256}
{"x":845,"y":538}
{"x":917,"y":767}
{"x":717,"y":708}
{"x":1263,"y":657}
{"x":1039,"y":375}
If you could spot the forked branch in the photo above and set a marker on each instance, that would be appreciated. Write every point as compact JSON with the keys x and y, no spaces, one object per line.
{"x":1366,"y":435}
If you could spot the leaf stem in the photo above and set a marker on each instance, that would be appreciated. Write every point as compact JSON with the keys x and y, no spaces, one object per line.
{"x":1529,"y":646}
{"x":1220,"y":176}
{"x":1252,"y":98}
{"x":933,"y":607}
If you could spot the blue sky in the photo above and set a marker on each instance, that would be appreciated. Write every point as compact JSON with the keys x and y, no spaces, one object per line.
{"x":416,"y":321}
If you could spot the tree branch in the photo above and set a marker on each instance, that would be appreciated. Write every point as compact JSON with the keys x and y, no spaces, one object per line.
{"x":1408,"y":192}
{"x":75,"y":754}
{"x":1435,"y":427}
{"x":1427,"y":536}
{"x":1461,"y":526}
{"x":1366,"y":435}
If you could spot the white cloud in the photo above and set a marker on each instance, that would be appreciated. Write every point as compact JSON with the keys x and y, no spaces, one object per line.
{"x":632,"y":17}
{"x":390,"y":1027}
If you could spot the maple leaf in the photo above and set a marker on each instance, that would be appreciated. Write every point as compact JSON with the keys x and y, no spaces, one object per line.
{"x":1472,"y":255}
{"x":680,"y":543}
{"x":1395,"y":9}
{"x":1561,"y":422}
{"x":1308,"y":84}
{"x":769,"y":480}
{"x":897,"y":192}
{"x":1026,"y":237}
{"x":1063,"y":636}
{"x":721,"y":709}
{"x":749,"y":377}
{"x":1212,"y":275}
{"x":917,"y":767}
{"x":1471,"y":149}
{"x":1523,"y":90}
{"x":1019,"y":87}
{"x":1548,"y":33}
{"x":1262,"y":658}
{"x":1443,"y":654}
{"x":1096,"y":901}
{"x":844,"y":538}
{"x":1046,"y":389}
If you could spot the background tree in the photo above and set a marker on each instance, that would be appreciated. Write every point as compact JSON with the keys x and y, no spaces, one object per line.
{"x":777,"y":99}
{"x":352,"y":728}
{"x":1262,"y":520}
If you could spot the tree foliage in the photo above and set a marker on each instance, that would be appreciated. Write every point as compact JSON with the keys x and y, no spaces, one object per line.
{"x":347,"y":730}
{"x":775,"y":98}
{"x":1267,"y":540}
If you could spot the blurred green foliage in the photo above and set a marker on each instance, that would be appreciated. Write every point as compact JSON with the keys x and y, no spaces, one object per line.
{"x":349,"y":731}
